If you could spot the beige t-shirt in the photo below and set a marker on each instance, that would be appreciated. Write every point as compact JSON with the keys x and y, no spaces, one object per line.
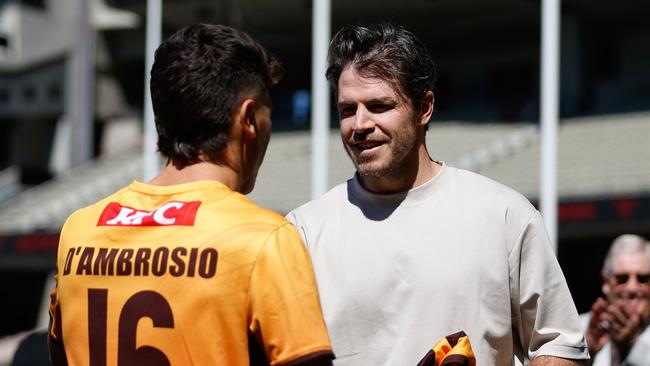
{"x":461,"y":252}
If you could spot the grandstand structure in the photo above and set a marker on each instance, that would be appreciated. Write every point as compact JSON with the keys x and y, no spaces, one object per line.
{"x":487,"y":54}
{"x":601,"y":158}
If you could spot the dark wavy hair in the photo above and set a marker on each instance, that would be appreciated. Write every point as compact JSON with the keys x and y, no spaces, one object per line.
{"x":385,"y":52}
{"x":197,"y":79}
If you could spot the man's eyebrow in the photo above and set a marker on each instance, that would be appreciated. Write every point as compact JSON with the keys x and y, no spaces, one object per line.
{"x":381,"y":100}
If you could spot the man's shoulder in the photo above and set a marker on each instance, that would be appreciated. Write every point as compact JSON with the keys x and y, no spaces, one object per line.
{"x":329,"y":201}
{"x":203,"y":205}
{"x":92,"y":211}
{"x":482,"y":183}
{"x":485,"y":189}
{"x":125,"y":216}
{"x":248,"y":210}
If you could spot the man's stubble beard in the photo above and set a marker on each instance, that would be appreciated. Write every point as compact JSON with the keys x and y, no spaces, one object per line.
{"x":403,"y":149}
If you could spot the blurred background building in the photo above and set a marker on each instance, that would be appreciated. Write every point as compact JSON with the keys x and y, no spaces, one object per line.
{"x":72,"y":95}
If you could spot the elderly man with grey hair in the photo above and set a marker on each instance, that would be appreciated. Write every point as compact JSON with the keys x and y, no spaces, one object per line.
{"x":616,"y":327}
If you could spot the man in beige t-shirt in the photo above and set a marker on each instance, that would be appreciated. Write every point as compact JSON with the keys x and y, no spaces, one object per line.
{"x":410,"y":250}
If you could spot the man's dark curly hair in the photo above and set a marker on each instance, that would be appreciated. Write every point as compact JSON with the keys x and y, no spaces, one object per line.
{"x":197,"y":81}
{"x":385,"y":52}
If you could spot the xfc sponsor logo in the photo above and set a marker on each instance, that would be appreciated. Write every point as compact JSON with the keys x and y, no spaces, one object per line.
{"x":171,"y":213}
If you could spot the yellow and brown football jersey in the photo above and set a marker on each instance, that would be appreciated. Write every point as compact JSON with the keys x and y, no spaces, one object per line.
{"x":452,"y":350}
{"x":192,"y":274}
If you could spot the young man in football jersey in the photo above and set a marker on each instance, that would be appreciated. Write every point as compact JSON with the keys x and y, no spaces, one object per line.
{"x":184,"y":269}
{"x":411,"y":249}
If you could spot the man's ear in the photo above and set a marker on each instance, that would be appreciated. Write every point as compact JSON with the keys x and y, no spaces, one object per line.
{"x":426,"y":107}
{"x":245,"y":117}
{"x":605,"y":287}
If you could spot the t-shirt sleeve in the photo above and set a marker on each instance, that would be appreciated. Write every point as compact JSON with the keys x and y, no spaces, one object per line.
{"x":544,"y":316}
{"x":285,"y":313}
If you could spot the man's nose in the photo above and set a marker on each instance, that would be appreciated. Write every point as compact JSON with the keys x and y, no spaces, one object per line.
{"x":363,"y":122}
{"x":633,"y":285}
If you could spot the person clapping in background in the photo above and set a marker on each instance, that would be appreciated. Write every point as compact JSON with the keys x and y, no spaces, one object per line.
{"x":616,"y":327}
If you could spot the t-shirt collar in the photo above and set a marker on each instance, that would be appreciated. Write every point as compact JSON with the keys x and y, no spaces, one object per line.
{"x":409,"y":197}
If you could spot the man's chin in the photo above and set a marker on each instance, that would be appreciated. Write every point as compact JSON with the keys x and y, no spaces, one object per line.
{"x":372,"y":172}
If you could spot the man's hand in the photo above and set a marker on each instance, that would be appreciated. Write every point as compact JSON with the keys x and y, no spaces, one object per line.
{"x":597,"y":330}
{"x":625,"y":326}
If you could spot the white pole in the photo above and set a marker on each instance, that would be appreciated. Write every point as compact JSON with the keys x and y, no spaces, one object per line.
{"x":320,"y":96}
{"x":150,"y":158}
{"x":83,"y":100}
{"x":549,"y":115}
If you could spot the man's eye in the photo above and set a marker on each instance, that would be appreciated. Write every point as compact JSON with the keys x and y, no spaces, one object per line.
{"x":347,"y":111}
{"x":380,"y":108}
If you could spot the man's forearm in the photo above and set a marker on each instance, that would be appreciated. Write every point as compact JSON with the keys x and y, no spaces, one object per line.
{"x":557,"y":361}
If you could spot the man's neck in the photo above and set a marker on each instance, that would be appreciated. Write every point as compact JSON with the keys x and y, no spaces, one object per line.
{"x":171,"y":175}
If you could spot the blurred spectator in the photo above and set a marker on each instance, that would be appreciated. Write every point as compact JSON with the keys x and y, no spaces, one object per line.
{"x":616,"y":327}
{"x":32,"y":350}
{"x":30,"y":347}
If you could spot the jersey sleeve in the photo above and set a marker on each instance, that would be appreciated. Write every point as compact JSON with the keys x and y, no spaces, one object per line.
{"x":55,"y":313}
{"x":285,"y":313}
{"x":55,"y":333}
{"x":545,"y":318}
{"x":55,"y":330}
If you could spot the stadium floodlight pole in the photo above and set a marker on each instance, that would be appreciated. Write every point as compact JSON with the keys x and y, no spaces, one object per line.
{"x":549,"y":116}
{"x":150,"y":158}
{"x":320,"y":96}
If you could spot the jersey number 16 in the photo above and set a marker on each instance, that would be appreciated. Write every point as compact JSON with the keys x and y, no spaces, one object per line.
{"x":142,"y":304}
